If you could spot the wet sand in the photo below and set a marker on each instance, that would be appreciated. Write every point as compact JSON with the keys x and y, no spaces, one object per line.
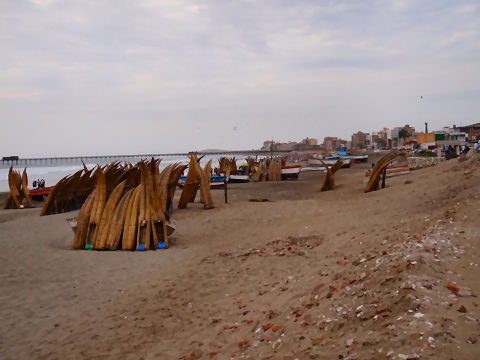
{"x":310,"y":275}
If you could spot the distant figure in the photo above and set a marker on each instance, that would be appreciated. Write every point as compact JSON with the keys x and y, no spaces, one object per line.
{"x":43,"y":183}
{"x":34,"y":184}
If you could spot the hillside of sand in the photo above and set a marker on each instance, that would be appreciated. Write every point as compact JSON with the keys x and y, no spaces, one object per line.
{"x":391,"y":274}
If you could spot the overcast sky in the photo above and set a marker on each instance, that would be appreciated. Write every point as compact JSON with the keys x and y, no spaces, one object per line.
{"x":152,"y":76}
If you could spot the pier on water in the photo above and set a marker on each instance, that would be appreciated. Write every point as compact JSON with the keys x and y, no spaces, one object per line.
{"x":77,"y":160}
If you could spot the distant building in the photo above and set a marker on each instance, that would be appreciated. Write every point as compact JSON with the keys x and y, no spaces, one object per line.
{"x":278,"y":146}
{"x":309,"y":141}
{"x":331,"y":143}
{"x":425,"y":141}
{"x":472,"y":131}
{"x":360,"y":140}
{"x":394,"y":134}
{"x":305,"y":144}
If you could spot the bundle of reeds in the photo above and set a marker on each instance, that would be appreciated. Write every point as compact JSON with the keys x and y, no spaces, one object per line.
{"x":128,"y":209}
{"x":228,"y":166}
{"x":275,"y":170}
{"x":69,"y":193}
{"x":251,"y":165}
{"x":269,"y":169}
{"x":197,"y":178}
{"x":18,"y":185}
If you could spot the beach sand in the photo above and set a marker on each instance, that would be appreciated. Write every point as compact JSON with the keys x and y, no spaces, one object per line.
{"x":309,"y":275}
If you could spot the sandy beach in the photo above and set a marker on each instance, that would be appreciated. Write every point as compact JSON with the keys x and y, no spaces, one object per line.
{"x":391,"y":274}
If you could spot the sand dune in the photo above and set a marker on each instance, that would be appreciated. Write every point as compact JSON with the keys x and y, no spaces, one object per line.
{"x":339,"y":274}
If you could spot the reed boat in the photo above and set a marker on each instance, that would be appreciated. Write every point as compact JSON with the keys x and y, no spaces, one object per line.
{"x":216,"y":182}
{"x":291,"y":171}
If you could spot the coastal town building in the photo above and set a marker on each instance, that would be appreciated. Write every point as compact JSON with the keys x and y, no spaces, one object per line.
{"x":331,"y":143}
{"x":360,"y":140}
{"x":305,"y":144}
{"x":425,"y":141}
{"x":472,"y":132}
{"x":270,"y":145}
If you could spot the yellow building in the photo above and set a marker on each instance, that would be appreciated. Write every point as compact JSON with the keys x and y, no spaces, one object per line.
{"x":425,"y":138}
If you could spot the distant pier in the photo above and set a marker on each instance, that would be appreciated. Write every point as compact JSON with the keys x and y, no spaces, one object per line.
{"x":104,"y":159}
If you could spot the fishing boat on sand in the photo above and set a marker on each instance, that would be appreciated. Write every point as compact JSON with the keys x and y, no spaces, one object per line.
{"x":291,"y":171}
{"x":40,"y":193}
{"x":237,"y":179}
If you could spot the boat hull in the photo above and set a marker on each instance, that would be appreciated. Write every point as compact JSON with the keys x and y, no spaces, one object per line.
{"x":237,"y":179}
{"x":40,"y":194}
{"x":291,"y":171}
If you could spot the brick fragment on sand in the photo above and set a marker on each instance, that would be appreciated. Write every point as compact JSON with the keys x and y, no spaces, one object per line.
{"x":243,"y":343}
{"x":266,"y":327}
{"x":452,"y":287}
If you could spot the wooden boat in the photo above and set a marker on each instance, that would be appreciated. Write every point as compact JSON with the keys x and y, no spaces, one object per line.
{"x":238,"y":179}
{"x":291,"y":171}
{"x":216,"y":182}
{"x":40,"y":194}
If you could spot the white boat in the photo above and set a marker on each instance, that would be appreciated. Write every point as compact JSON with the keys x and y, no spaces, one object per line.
{"x":361,"y":158}
{"x":291,"y":171}
{"x":314,"y":168}
{"x":238,"y":179}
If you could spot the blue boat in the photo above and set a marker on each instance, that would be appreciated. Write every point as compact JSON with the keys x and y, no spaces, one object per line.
{"x":216,"y":182}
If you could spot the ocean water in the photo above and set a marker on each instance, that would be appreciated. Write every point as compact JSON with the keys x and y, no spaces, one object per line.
{"x":52,"y":174}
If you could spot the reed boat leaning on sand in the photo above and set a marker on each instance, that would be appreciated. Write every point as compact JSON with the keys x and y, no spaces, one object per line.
{"x":18,"y":190}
